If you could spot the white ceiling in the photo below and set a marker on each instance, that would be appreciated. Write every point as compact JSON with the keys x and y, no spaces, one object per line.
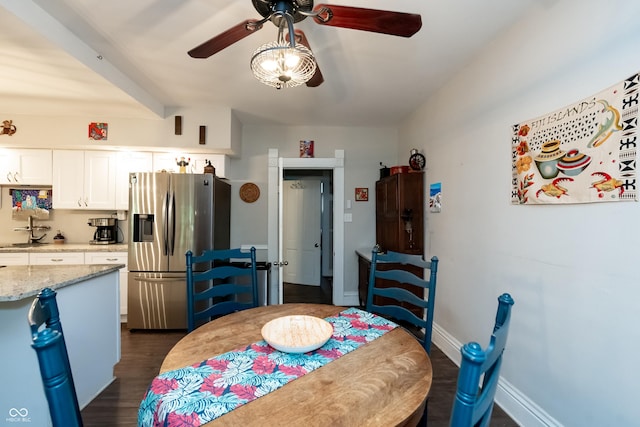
{"x":129,"y":58}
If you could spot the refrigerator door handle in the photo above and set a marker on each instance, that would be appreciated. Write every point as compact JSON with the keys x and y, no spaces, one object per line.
{"x":172,"y":223}
{"x":165,"y":225}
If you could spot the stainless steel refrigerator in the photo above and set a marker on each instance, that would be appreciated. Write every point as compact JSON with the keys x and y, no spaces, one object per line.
{"x":170,"y":214}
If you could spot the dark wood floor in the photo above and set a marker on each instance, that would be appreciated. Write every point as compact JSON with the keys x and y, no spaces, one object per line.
{"x":143,"y":352}
{"x":293,"y":293}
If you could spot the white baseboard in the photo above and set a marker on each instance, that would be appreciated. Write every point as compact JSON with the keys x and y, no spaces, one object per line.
{"x":519,"y":407}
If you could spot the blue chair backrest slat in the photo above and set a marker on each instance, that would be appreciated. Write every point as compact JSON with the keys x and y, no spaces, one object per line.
{"x":221,"y":308}
{"x":402,"y":258}
{"x":473,"y":404}
{"x":400,"y":314}
{"x":402,"y":276}
{"x":222,"y":290}
{"x":221,"y":272}
{"x":401,"y":294}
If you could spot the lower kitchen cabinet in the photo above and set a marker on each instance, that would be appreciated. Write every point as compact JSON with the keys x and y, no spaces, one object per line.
{"x":56,"y":258}
{"x":113,"y":258}
{"x":67,"y":258}
{"x":14,"y":258}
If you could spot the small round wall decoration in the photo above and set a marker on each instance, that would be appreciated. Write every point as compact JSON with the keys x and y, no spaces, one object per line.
{"x":249,"y":192}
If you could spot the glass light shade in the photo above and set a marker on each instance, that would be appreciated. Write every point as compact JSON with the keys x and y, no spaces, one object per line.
{"x":279,"y":65}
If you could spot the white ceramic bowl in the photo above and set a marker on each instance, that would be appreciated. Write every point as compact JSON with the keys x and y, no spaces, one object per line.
{"x":297,"y":334}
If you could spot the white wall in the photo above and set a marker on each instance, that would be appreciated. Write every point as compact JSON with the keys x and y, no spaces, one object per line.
{"x":572,"y":269}
{"x":364,"y":149}
{"x":145,"y":134}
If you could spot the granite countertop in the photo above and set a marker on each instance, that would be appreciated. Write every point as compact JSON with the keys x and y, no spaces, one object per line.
{"x":22,"y":281}
{"x":64,"y":247}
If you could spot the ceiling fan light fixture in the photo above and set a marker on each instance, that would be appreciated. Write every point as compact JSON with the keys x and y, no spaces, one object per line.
{"x":279,"y":64}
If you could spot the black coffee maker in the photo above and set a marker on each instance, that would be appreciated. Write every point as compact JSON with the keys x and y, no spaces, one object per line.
{"x":106,"y":231}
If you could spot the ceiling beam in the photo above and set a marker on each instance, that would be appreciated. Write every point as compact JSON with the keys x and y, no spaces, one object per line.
{"x":44,"y":24}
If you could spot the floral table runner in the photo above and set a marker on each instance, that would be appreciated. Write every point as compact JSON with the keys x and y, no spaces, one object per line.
{"x":197,"y":394}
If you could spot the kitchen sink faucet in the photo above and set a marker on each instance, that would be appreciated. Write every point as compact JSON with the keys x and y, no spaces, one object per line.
{"x":30,"y":228}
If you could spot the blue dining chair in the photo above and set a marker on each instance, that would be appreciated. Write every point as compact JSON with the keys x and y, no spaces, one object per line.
{"x":392,"y":274}
{"x":220,"y":282}
{"x":473,"y":404}
{"x":47,"y":340}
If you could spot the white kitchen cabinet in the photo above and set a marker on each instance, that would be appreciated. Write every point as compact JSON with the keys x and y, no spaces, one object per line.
{"x":14,"y":258}
{"x":25,"y":167}
{"x":56,"y":258}
{"x":113,"y":258}
{"x":84,"y":180}
{"x":127,"y":162}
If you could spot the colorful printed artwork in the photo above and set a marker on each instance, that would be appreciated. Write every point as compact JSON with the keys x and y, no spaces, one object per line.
{"x":306,"y":148}
{"x":98,"y":131}
{"x":35,"y":203}
{"x":583,"y":153}
{"x":435,"y":197}
{"x":362,"y":194}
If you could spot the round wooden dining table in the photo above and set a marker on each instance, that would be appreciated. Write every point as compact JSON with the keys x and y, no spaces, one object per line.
{"x":383,"y":383}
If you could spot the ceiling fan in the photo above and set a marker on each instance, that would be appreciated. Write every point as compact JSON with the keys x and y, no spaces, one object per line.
{"x":283,"y":14}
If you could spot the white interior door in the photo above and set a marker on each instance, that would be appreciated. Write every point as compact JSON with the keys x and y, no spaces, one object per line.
{"x":302,"y":231}
{"x":276,"y":168}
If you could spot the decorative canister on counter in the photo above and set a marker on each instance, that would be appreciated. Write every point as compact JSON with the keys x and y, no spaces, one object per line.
{"x":58,"y":238}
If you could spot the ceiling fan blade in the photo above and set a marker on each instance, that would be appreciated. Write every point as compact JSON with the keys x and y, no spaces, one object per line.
{"x":225,"y":39}
{"x":377,"y":21}
{"x":317,"y":79}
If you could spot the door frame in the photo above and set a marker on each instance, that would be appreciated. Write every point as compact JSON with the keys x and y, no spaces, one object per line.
{"x":276,"y":168}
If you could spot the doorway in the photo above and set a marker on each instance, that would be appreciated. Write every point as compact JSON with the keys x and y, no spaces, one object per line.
{"x":307,"y":212}
{"x":277,"y":166}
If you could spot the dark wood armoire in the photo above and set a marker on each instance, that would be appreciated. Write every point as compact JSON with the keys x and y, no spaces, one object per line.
{"x":399,"y":221}
{"x":399,"y":213}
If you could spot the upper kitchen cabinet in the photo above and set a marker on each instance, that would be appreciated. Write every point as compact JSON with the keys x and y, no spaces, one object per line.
{"x":25,"y":167}
{"x":170,"y":162}
{"x":84,"y":179}
{"x":129,"y":161}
